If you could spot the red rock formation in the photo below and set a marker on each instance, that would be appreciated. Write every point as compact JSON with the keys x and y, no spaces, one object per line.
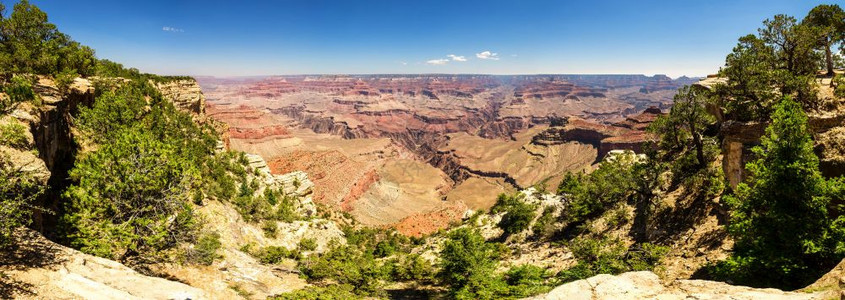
{"x":359,"y":188}
{"x":418,"y":114}
{"x":641,"y":121}
{"x":259,"y":133}
{"x":246,"y":123}
{"x":627,"y":135}
{"x":332,"y":172}
{"x":634,"y":141}
{"x":543,"y":89}
{"x":427,"y":223}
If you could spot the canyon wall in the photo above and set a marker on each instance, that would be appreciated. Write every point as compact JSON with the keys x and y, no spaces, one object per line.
{"x":388,"y":148}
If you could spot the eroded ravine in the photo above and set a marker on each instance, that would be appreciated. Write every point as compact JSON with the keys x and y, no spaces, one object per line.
{"x":466,"y":137}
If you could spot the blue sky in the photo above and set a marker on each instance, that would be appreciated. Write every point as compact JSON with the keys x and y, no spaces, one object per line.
{"x":234,"y":38}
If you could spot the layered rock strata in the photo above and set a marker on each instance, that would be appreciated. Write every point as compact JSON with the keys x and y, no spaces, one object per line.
{"x":461,"y":138}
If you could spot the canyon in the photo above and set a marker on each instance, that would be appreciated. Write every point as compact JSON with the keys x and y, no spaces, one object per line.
{"x":380,"y":180}
{"x":417,"y":152}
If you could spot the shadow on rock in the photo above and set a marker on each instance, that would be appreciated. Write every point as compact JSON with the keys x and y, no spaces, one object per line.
{"x":29,"y":250}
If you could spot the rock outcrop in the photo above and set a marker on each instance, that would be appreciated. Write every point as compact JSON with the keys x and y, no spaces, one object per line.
{"x":826,"y":123}
{"x":185,"y":94}
{"x":51,"y":146}
{"x":241,"y":239}
{"x":42,"y":269}
{"x":646,"y":285}
{"x":831,"y":282}
{"x":628,"y":134}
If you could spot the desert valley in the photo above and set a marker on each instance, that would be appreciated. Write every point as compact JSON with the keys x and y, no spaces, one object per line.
{"x":415,"y":152}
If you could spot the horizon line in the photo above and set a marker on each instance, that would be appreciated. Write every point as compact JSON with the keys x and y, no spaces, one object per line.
{"x":444,"y":74}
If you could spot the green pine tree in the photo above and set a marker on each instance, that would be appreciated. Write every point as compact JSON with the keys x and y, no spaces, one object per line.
{"x":784,"y":235}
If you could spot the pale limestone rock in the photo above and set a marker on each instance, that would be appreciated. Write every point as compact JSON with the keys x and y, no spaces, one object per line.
{"x":185,"y":95}
{"x":294,"y":184}
{"x":47,"y":270}
{"x":27,"y":163}
{"x":646,"y":285}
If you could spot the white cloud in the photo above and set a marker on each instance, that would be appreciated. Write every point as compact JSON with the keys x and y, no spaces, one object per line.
{"x":487,"y":55}
{"x":457,"y":58}
{"x":441,"y":61}
{"x":171,"y":29}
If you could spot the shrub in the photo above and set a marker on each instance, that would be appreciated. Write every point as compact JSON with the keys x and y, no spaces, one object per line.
{"x":132,"y":195}
{"x":246,"y":190}
{"x":346,"y":266}
{"x":13,"y":134}
{"x":544,"y":225}
{"x":590,"y":195}
{"x":286,"y":210}
{"x":466,"y":264}
{"x":18,"y":191}
{"x":527,"y":280}
{"x":332,"y":292}
{"x":19,"y":89}
{"x":364,"y":237}
{"x":369,"y":239}
{"x":64,"y":79}
{"x":840,"y":86}
{"x":307,"y":244}
{"x":482,"y":287}
{"x":595,"y":256}
{"x":413,"y":267}
{"x":197,"y":198}
{"x":570,"y":184}
{"x":609,"y":256}
{"x":384,"y":249}
{"x":270,"y":228}
{"x":241,"y":291}
{"x":270,"y":196}
{"x":277,"y":254}
{"x":268,"y":207}
{"x":645,"y":256}
{"x":617,"y":217}
{"x":126,"y":196}
{"x":252,"y":209}
{"x":205,"y":249}
{"x":221,"y":169}
{"x":518,"y":214}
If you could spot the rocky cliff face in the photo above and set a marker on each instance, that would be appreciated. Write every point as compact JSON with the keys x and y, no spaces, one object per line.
{"x":52,"y":138}
{"x":185,"y":95}
{"x":628,"y":134}
{"x":827,"y":125}
{"x":51,"y":127}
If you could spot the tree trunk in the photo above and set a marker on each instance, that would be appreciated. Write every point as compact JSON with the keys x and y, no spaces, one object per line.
{"x":829,"y":58}
{"x":699,"y":149}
